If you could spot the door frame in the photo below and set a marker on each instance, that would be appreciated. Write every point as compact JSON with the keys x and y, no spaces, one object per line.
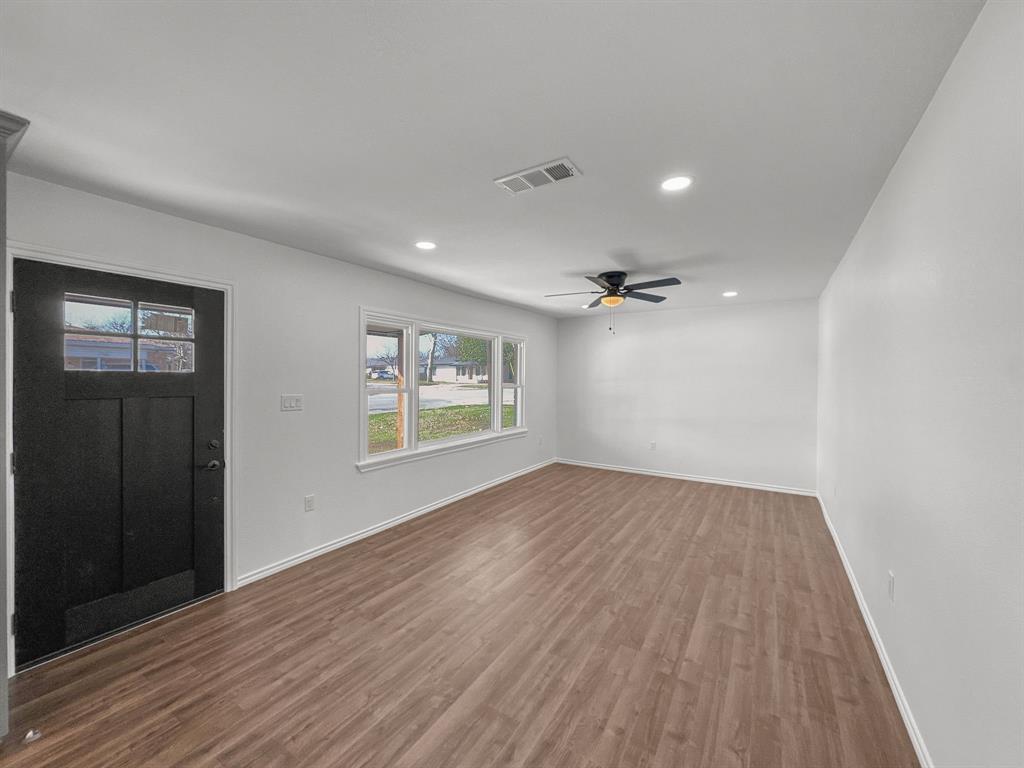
{"x":20,"y":250}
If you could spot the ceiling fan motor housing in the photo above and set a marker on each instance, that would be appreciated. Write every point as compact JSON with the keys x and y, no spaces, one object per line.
{"x":614,"y":279}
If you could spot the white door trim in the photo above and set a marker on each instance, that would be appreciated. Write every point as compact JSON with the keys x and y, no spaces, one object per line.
{"x":21,"y":250}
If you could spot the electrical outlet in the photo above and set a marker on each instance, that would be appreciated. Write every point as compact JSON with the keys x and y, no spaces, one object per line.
{"x":291,"y":402}
{"x":654,"y":445}
{"x":892,"y":588}
{"x":309,"y":503}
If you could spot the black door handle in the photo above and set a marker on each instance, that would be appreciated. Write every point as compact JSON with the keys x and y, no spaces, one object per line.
{"x":213,"y":465}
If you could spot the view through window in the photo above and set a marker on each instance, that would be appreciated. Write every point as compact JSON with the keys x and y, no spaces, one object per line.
{"x":444,"y":377}
{"x":454,"y":386}
{"x":386,"y":389}
{"x":511,"y":384}
{"x":106,"y":334}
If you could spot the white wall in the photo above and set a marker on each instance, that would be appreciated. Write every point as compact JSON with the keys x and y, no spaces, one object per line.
{"x":725,"y":392}
{"x":921,"y":422}
{"x":297,"y":331}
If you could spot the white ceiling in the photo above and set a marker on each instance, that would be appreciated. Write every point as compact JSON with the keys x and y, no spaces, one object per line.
{"x":355,"y":129}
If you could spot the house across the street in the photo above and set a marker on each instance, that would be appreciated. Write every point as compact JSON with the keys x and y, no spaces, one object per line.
{"x":445,"y":369}
{"x":453,"y":369}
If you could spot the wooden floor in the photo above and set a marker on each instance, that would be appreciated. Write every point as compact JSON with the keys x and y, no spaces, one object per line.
{"x":570,"y":617}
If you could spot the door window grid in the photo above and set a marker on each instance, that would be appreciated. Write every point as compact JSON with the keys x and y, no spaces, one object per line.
{"x":107,"y":334}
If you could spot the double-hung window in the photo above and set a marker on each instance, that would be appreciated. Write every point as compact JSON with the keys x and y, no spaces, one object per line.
{"x":429,"y":388}
{"x":386,"y":395}
{"x":513,"y":355}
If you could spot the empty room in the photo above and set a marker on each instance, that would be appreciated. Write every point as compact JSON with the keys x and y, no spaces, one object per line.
{"x":565,"y":384}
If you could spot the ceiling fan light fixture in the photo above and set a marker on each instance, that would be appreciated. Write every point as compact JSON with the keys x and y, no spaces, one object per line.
{"x":612,"y":300}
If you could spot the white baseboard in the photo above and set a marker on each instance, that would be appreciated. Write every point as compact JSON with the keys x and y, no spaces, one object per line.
{"x":301,"y":557}
{"x":897,"y":691}
{"x":696,"y":478}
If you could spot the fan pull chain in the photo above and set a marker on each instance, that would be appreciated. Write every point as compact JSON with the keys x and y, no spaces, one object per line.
{"x":611,"y":320}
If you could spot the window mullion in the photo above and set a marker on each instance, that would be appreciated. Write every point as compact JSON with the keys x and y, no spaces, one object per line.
{"x":364,"y":408}
{"x":136,"y":347}
{"x":412,"y":386}
{"x":494,"y":381}
{"x":520,"y":380}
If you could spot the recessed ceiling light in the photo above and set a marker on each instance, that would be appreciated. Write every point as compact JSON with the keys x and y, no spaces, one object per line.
{"x":676,"y":183}
{"x":426,"y":245}
{"x":730,"y":294}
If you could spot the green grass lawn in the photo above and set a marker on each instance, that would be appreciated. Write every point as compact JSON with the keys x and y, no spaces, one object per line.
{"x":437,"y":424}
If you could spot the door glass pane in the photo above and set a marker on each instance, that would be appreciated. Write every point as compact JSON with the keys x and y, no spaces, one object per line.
{"x":510,"y":361}
{"x":97,"y":353}
{"x":453,"y":385}
{"x":164,"y":356}
{"x":511,"y":407}
{"x":94,"y":313}
{"x":160,"y":320}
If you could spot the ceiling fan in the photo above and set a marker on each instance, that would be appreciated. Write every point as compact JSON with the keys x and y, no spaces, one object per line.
{"x":614,"y":290}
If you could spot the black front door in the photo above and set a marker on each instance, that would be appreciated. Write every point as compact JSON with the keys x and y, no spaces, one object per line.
{"x":118,"y":452}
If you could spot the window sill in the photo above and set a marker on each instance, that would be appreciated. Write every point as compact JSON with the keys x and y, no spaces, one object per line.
{"x":437,"y":449}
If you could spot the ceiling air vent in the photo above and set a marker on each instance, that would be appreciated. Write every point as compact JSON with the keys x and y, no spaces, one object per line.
{"x":538,"y":176}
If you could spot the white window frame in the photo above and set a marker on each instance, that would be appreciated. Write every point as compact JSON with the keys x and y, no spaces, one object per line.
{"x":520,"y":385}
{"x":412,"y":326}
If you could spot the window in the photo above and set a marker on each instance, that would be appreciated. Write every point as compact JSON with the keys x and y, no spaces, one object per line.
{"x":453,"y":402}
{"x":94,"y":314}
{"x":169,"y":353}
{"x":426,"y":388}
{"x":105,"y":334}
{"x":160,"y":320}
{"x":159,"y":355}
{"x":97,"y":353}
{"x":387,"y":393}
{"x":512,"y":384}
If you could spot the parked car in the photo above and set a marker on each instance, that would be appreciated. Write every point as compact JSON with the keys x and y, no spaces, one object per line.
{"x":385,"y":375}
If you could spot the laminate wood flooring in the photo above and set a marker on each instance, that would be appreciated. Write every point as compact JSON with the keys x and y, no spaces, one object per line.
{"x":571,"y":617}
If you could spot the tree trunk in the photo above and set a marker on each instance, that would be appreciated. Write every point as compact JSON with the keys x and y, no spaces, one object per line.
{"x":430,"y":358}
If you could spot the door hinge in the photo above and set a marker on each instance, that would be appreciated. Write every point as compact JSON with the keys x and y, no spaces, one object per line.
{"x":12,"y":302}
{"x":14,"y":623}
{"x":12,"y":462}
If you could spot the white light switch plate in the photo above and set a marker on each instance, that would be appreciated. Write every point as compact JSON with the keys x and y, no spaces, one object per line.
{"x":291,"y":402}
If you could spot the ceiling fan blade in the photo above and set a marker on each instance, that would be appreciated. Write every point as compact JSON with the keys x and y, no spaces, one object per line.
{"x":574,"y":293}
{"x":644,"y":297}
{"x":598,"y":281}
{"x":595,"y":303}
{"x":653,"y":284}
